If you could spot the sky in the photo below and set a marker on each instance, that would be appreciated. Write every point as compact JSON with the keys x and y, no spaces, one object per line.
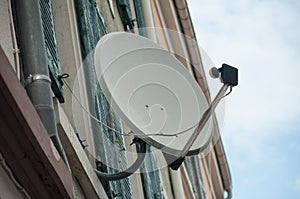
{"x":261,"y":129}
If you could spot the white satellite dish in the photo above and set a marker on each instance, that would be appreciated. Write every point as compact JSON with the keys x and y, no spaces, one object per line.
{"x":152,"y":92}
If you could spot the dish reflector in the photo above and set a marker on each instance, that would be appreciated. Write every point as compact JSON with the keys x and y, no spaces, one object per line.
{"x":152,"y":92}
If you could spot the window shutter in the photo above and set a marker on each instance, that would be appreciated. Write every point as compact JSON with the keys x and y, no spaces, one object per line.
{"x":51,"y":49}
{"x":125,"y":13}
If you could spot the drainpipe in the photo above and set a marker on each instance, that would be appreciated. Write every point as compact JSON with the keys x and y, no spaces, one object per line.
{"x":176,"y":181}
{"x":148,"y":19}
{"x":34,"y":62}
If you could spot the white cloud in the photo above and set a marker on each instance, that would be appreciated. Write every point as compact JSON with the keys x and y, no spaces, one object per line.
{"x":262,"y":39}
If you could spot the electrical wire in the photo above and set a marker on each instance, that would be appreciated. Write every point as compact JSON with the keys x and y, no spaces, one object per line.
{"x":132,"y":133}
{"x":92,"y":116}
{"x":228,"y":92}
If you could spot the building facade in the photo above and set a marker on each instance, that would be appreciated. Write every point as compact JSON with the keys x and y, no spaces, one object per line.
{"x":55,"y":119}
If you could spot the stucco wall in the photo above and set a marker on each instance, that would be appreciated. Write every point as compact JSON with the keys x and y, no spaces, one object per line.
{"x":5,"y":33}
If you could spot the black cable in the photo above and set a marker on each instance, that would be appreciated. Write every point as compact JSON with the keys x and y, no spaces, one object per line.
{"x":130,"y":170}
{"x":229,"y":91}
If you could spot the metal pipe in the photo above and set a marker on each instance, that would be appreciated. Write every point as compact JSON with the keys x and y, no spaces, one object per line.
{"x":177,"y":184}
{"x":148,"y":20}
{"x":206,"y":115}
{"x":34,"y":61}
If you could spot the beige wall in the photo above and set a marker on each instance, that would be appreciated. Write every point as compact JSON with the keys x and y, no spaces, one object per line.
{"x":111,"y":15}
{"x":6,"y":41}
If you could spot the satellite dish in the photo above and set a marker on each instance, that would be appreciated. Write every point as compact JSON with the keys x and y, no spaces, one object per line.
{"x":152,"y":92}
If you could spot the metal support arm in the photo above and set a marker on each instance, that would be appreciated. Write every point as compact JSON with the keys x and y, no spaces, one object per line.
{"x":204,"y":120}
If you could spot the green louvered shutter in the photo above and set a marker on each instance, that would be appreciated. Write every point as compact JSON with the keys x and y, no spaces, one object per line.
{"x":92,"y":27}
{"x":125,"y":13}
{"x":116,"y":158}
{"x":51,"y":48}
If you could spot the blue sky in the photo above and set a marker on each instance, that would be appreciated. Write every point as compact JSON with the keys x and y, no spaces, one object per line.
{"x":261,"y":130}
